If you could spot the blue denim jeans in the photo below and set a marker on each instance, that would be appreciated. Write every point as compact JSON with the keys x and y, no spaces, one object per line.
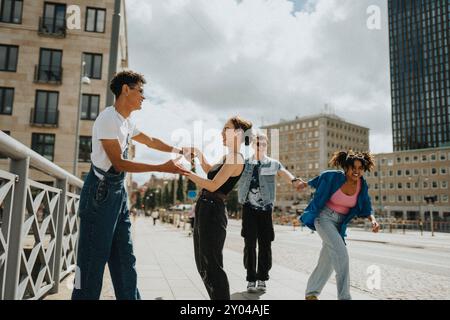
{"x":333,"y":256}
{"x":105,"y":237}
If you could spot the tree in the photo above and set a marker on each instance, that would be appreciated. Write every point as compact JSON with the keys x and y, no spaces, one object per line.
{"x":138,"y":204}
{"x":180,"y":189}
{"x":166,"y":196}
{"x":150,"y":199}
{"x":172,"y":193}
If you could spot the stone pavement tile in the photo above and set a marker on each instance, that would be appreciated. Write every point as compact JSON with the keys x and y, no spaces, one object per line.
{"x":189,"y":293}
{"x":152,"y":284}
{"x":180,"y":283}
{"x":156,"y":295}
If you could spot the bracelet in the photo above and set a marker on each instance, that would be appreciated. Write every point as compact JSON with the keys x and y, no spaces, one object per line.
{"x":295,"y":180}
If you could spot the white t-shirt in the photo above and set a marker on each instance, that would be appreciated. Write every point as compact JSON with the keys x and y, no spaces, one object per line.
{"x":110,"y":125}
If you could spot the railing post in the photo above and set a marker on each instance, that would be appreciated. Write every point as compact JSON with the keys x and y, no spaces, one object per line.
{"x":21,"y":169}
{"x":60,"y":184}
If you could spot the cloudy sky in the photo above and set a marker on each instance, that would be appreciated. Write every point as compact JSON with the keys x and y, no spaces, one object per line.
{"x":266,"y":60}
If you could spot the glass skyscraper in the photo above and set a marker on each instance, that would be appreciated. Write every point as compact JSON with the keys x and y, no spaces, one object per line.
{"x":420,"y":84}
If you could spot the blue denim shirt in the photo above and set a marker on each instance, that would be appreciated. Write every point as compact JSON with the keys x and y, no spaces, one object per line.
{"x":267,"y":172}
{"x":326,"y":184}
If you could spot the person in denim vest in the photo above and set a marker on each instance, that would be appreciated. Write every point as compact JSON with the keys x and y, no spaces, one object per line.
{"x":103,"y":210}
{"x":257,"y":194}
{"x":340,"y":196}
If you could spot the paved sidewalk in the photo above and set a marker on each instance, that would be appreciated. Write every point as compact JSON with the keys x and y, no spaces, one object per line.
{"x":167,"y":271}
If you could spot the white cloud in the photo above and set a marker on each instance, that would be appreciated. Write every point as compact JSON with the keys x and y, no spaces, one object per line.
{"x":211,"y":59}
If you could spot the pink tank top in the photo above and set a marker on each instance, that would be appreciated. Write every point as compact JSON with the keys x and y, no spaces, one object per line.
{"x":342,"y":203}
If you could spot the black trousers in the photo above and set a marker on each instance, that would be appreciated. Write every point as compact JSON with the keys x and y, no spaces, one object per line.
{"x":209,"y":238}
{"x":257,"y":227}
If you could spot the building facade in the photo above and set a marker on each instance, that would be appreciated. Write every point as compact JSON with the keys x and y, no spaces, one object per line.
{"x":420,"y":73}
{"x":401,"y":181}
{"x":41,"y":54}
{"x":305,"y":145}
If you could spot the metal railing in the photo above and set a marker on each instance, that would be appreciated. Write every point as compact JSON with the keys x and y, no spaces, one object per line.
{"x":38,"y":224}
{"x":48,"y":74}
{"x":55,"y":27}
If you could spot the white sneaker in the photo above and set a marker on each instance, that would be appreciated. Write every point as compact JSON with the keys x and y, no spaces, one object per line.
{"x":251,"y":287}
{"x":261,"y":285}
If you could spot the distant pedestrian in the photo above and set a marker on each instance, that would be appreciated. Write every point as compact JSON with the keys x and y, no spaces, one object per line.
{"x":155,"y":216}
{"x":340,"y":197}
{"x":421,"y":226}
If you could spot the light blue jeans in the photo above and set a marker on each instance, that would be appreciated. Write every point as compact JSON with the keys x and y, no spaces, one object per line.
{"x":333,"y":256}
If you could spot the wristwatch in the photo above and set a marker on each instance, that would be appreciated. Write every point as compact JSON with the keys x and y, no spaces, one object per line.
{"x":295,"y":180}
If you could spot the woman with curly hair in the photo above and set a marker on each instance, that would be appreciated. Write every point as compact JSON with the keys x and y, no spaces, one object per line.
{"x":340,"y":196}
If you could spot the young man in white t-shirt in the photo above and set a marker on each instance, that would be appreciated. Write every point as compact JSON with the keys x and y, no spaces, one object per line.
{"x":104,"y":214}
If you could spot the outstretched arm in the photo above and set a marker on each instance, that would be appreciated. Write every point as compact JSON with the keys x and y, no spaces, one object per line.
{"x":288,"y":177}
{"x":156,"y":144}
{"x":114,"y":152}
{"x":227,"y":171}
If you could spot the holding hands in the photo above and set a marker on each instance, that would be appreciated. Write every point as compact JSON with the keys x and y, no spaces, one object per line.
{"x":299,"y":184}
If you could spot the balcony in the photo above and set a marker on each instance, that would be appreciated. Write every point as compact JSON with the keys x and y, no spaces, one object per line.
{"x":44,"y":119}
{"x":48,"y":74}
{"x":52,"y":27}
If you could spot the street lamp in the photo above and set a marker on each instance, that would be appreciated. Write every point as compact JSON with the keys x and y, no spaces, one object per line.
{"x":419,"y":195}
{"x":430,"y":201}
{"x":83,"y":80}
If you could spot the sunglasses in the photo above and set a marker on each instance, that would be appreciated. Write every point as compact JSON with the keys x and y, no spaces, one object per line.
{"x":261,"y":144}
{"x":141,"y":90}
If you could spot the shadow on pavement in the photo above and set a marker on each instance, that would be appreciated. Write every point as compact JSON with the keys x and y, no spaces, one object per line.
{"x":244,"y":295}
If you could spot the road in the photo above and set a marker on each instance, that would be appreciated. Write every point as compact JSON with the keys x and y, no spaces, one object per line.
{"x":410,"y":266}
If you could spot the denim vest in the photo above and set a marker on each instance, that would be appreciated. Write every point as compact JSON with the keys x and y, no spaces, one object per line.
{"x":267,"y":172}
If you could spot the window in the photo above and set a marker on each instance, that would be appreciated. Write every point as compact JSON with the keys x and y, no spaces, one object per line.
{"x":11,"y":11}
{"x":6,"y":100}
{"x":49,"y":69}
{"x":444,"y":185}
{"x":46,"y":108}
{"x":443,"y":171}
{"x":93,"y":68}
{"x":85,"y":150}
{"x":90,"y":107}
{"x":8,"y":58}
{"x":434,"y":171}
{"x":95,"y":20}
{"x":444,"y":198}
{"x":54,"y":20}
{"x":44,"y":144}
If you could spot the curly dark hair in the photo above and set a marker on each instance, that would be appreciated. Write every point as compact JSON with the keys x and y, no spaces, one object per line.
{"x":346,"y":159}
{"x":127,"y":77}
